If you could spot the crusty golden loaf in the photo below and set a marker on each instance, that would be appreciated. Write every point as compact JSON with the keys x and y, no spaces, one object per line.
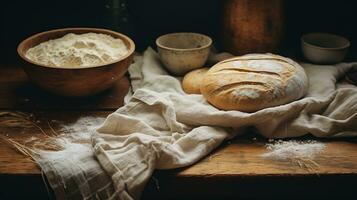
{"x":191,"y":82}
{"x":253,"y":82}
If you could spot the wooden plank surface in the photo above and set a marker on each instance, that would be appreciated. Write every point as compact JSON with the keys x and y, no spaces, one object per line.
{"x":237,"y":160}
{"x":18,"y":93}
{"x":242,"y":156}
{"x":14,"y":163}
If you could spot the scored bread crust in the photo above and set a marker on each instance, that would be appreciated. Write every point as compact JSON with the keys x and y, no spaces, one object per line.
{"x":253,"y":82}
{"x":191,"y":82}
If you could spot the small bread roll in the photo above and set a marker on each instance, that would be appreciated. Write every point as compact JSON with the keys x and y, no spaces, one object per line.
{"x":191,"y":83}
{"x":253,"y":82}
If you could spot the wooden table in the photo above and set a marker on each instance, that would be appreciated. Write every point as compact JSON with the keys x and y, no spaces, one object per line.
{"x":236,"y":169}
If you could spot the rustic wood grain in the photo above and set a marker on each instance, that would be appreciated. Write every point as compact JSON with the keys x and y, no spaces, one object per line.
{"x":242,"y":157}
{"x":238,"y":158}
{"x":245,"y":158}
{"x":18,"y":93}
{"x":235,"y":169}
{"x":12,"y":162}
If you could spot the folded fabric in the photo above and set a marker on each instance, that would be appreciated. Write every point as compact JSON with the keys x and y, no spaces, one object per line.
{"x":161,"y":127}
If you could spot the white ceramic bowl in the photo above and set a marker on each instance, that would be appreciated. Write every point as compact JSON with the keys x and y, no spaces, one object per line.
{"x":324,"y":48}
{"x":183,"y":52}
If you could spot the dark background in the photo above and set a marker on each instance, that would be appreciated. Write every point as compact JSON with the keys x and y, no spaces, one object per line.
{"x":148,"y":19}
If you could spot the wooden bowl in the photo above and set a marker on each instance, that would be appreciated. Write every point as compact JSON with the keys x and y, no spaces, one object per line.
{"x":78,"y":81}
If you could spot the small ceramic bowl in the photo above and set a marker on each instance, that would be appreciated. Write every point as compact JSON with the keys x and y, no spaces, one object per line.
{"x":79,"y":81}
{"x":183,"y":52}
{"x":324,"y":48}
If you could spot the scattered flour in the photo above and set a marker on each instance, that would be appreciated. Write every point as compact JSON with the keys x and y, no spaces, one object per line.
{"x":293,"y":149}
{"x":76,"y":50}
{"x":74,"y":138}
{"x":83,"y":128}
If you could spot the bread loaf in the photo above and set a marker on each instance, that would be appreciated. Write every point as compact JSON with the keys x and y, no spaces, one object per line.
{"x":253,"y":82}
{"x":191,"y":83}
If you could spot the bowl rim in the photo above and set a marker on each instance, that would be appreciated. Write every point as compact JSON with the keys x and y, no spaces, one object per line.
{"x":179,"y":49}
{"x":303,"y":41}
{"x":131,"y":48}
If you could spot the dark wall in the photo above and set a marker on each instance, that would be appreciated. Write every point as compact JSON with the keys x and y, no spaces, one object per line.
{"x":22,"y":18}
{"x":150,"y":18}
{"x":333,"y":16}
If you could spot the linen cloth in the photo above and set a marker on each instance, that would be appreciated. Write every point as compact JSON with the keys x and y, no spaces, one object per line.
{"x":161,"y":127}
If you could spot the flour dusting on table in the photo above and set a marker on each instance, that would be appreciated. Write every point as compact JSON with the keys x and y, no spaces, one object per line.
{"x":293,"y":149}
{"x":74,"y":140}
{"x":83,"y":128}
